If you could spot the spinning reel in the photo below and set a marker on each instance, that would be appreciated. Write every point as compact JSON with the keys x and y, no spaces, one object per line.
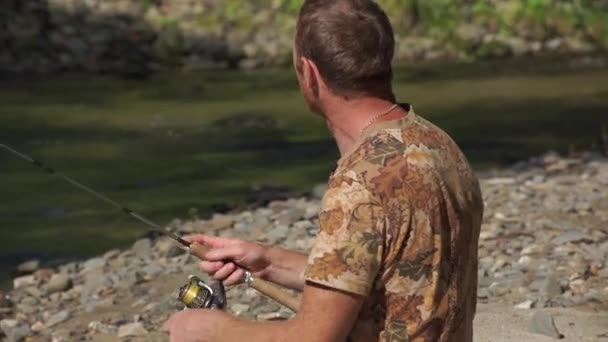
{"x":197,"y":294}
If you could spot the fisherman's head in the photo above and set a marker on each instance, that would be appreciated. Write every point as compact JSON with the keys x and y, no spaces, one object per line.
{"x":343,"y":48}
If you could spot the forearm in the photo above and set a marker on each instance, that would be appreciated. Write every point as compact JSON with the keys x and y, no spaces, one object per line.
{"x":236,"y":329}
{"x":286,"y":268}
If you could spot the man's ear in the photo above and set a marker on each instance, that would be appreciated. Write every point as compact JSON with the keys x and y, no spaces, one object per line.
{"x":310,"y":76}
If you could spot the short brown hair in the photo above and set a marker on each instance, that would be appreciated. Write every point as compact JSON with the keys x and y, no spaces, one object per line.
{"x":350,"y":41}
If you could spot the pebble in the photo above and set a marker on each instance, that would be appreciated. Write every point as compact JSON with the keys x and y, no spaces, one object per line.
{"x":59,"y":282}
{"x":551,"y":287}
{"x":21,"y":282}
{"x":28,"y":267}
{"x":98,"y":327}
{"x":132,"y":330}
{"x":525,"y":305}
{"x":93,"y":264}
{"x":542,"y":323}
{"x":142,"y":248}
{"x":572,"y":236}
{"x":57,"y":318}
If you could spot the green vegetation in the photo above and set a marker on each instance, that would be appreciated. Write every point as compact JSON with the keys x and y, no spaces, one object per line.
{"x":181,"y":141}
{"x":441,"y":19}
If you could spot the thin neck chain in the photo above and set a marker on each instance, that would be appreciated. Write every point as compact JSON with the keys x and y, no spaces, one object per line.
{"x":377,"y":117}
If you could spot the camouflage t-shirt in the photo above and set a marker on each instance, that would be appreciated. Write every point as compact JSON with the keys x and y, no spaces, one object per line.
{"x":400,"y":225}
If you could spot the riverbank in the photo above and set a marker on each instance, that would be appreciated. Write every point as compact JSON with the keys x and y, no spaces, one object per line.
{"x":542,"y":271}
{"x":138,"y":37}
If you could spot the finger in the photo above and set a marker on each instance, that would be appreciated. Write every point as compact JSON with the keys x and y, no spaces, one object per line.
{"x":210,"y":266}
{"x":226,"y":253}
{"x":208,"y":240}
{"x":225,"y":271}
{"x":236,"y":277}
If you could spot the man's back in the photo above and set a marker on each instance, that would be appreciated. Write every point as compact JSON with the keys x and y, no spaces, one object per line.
{"x":400,"y":225}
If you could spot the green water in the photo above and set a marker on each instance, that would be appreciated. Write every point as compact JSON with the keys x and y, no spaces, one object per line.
{"x":178,"y":145}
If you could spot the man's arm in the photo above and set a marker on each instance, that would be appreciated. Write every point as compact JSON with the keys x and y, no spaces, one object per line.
{"x":277,"y":265}
{"x":286,"y":268}
{"x":325,"y":315}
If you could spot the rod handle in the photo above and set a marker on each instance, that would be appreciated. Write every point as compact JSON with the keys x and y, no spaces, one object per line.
{"x":265,"y":287}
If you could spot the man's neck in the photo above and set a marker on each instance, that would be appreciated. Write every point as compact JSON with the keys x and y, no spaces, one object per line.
{"x":347,"y":119}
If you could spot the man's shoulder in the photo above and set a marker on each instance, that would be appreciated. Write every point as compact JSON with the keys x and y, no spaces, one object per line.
{"x":392,"y":155}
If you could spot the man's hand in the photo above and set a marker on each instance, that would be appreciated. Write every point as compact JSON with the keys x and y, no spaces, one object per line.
{"x":225,"y":254}
{"x":326,"y":315}
{"x":196,"y":325}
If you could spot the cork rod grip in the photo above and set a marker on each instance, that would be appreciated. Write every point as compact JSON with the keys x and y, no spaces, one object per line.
{"x":263,"y":286}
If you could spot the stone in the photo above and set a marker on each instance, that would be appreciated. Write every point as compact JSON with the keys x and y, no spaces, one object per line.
{"x":109,"y":255}
{"x":28,"y":266}
{"x":551,"y":287}
{"x":57,"y":318}
{"x":59,"y":282}
{"x":525,"y":305}
{"x":219,"y":221}
{"x":26,"y":309}
{"x":93,"y":264}
{"x":572,"y":236}
{"x":98,"y":327}
{"x":38,"y":327}
{"x":142,"y":248}
{"x":17,"y":333}
{"x":498,"y":289}
{"x":542,"y":323}
{"x":239,"y":309}
{"x":132,"y":330}
{"x":24,"y":281}
{"x":7,"y":325}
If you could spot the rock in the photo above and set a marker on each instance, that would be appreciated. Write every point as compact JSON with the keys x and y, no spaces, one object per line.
{"x":21,"y":282}
{"x":109,"y":255}
{"x":59,"y":282}
{"x":551,"y":287}
{"x":26,"y":309}
{"x":93,"y":264}
{"x":98,"y":327}
{"x":28,"y":266}
{"x":525,"y":305}
{"x":19,"y":333}
{"x":239,"y":309}
{"x":14,"y":331}
{"x":44,"y":274}
{"x":6,"y":325}
{"x":132,"y":330}
{"x":219,"y":221}
{"x":38,"y":327}
{"x":498,"y":289}
{"x":142,"y":248}
{"x":169,"y":248}
{"x":572,"y":236}
{"x":57,"y":318}
{"x":542,"y":323}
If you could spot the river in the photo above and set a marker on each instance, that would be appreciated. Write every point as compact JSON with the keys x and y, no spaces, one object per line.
{"x":182,"y":145}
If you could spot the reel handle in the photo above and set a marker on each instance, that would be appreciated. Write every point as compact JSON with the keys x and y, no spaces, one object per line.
{"x":263,"y":286}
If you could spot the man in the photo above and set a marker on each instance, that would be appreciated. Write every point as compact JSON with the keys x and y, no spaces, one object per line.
{"x":396,"y":256}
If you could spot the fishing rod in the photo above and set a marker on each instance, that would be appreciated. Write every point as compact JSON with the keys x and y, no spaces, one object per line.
{"x":196,"y":292}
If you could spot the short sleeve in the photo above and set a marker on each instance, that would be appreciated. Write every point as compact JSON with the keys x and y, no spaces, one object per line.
{"x":349,"y":249}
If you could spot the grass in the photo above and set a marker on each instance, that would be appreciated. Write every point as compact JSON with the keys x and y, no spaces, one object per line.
{"x":201,"y":140}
